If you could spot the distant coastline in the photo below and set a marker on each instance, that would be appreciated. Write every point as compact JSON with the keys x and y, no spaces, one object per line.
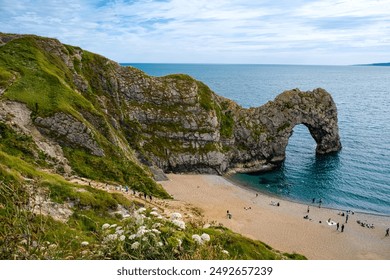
{"x":375,"y":64}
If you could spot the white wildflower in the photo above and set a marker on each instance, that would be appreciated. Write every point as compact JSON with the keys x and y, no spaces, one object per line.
{"x":179,"y":224}
{"x":120,"y":232}
{"x":131,"y":237}
{"x":145,"y":239}
{"x":156,"y":225}
{"x":111,"y":237}
{"x":176,"y":216}
{"x":135,"y":245}
{"x":52,"y":246}
{"x":141,"y":210}
{"x":154,"y":209}
{"x":122,"y":238}
{"x":105,"y":226}
{"x":84,"y":243}
{"x":24,"y":242}
{"x":205,"y":237}
{"x":118,"y":228}
{"x":139,"y":220}
{"x":179,"y":242}
{"x":197,"y":239}
{"x":225,"y":252}
{"x":160,"y":244}
{"x":154,"y":213}
{"x":114,"y":225}
{"x":156,"y":231}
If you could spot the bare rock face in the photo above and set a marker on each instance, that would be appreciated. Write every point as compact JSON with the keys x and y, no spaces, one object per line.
{"x":263,"y":132}
{"x":68,"y":131}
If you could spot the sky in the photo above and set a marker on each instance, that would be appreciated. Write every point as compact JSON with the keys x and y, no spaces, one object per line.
{"x":315,"y":32}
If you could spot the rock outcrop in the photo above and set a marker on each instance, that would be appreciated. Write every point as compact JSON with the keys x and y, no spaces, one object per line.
{"x":174,"y":123}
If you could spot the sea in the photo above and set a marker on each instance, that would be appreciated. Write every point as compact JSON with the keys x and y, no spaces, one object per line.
{"x":358,"y":177}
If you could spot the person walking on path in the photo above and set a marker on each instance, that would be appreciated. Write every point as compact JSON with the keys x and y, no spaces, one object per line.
{"x":308,"y":209}
{"x":319,"y":203}
{"x":342,"y":228}
{"x":387,"y":232}
{"x":346,"y":218}
{"x":337,"y":226}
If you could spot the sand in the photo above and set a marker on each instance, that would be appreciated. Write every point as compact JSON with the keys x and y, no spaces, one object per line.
{"x":283,"y":227}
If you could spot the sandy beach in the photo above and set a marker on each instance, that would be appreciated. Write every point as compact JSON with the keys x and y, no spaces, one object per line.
{"x":283,"y":227}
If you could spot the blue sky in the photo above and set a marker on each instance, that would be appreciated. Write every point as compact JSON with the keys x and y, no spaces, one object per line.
{"x":212,"y":31}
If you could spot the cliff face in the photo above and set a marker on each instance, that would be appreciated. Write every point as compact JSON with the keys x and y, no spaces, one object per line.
{"x":84,"y":101}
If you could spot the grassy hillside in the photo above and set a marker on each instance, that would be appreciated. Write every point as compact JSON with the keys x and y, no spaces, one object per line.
{"x":27,"y":232}
{"x":32,"y":72}
{"x":43,"y":215}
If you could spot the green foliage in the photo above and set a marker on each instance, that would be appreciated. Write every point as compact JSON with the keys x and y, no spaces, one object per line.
{"x":205,"y":97}
{"x":20,"y":145}
{"x":5,"y":77}
{"x":115,"y":169}
{"x":26,"y":234}
{"x":44,"y":79}
{"x":227,"y":124}
{"x":283,"y":126}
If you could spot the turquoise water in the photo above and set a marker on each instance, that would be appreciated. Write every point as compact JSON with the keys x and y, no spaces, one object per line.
{"x":358,"y":177}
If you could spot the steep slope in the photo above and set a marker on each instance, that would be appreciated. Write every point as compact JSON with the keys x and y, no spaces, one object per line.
{"x":95,"y":109}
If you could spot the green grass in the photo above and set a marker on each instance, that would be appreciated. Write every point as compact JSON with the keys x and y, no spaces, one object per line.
{"x":45,"y":82}
{"x":113,"y":169}
{"x":27,"y":235}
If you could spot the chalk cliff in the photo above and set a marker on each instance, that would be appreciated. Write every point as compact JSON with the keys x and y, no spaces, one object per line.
{"x":85,"y":102}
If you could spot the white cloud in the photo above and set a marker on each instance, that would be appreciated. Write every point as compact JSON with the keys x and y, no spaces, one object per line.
{"x":239,"y":31}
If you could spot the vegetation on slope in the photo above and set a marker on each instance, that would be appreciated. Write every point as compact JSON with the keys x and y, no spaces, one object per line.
{"x":44,"y":216}
{"x":96,"y":230}
{"x":45,"y":84}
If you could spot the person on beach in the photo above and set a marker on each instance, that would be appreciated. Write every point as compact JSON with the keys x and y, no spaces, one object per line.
{"x":337,"y":226}
{"x":319,"y":203}
{"x":228,"y":214}
{"x":342,"y":228}
{"x":313,"y":200}
{"x":308,"y":209}
{"x":387,"y":232}
{"x":257,"y":194}
{"x":346,"y":218}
